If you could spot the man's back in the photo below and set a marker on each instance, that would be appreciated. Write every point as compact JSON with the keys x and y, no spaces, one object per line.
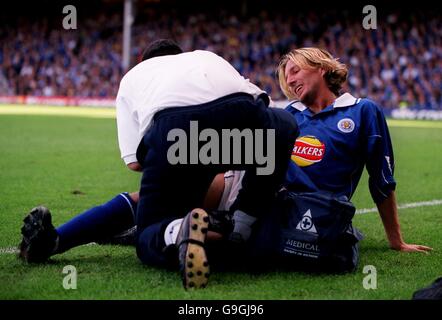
{"x":184,"y":79}
{"x":178,"y":80}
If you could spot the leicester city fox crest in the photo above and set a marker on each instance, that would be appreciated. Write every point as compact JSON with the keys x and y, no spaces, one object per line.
{"x":346,"y":125}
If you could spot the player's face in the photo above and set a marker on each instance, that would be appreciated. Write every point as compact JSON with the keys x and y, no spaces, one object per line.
{"x":303,"y":83}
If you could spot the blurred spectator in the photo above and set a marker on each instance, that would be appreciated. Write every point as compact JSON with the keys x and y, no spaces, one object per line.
{"x":399,"y":63}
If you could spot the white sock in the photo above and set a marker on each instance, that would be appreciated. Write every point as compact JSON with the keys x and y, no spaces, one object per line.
{"x":172,"y":230}
{"x":243,"y":224}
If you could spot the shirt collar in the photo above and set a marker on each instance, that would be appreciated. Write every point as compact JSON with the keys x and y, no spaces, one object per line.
{"x":345,"y":100}
{"x":298,"y":105}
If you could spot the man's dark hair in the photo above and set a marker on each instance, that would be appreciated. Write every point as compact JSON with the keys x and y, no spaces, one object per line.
{"x":161,"y":47}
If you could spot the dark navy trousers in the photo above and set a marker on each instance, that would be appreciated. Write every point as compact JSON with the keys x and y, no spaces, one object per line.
{"x":258,"y":253}
{"x":169,"y":191}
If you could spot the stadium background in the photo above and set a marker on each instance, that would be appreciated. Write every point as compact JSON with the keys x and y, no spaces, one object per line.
{"x":397,"y":65}
{"x":68,"y":159}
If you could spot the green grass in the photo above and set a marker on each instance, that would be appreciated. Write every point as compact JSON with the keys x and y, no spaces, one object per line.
{"x":44,"y":159}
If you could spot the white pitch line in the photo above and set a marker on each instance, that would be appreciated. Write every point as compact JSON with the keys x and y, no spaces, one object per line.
{"x":405,"y":206}
{"x":9,"y":250}
{"x":14,"y":250}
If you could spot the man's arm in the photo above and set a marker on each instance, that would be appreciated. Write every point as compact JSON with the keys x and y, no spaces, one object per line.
{"x":128,"y":129}
{"x":389,"y":215}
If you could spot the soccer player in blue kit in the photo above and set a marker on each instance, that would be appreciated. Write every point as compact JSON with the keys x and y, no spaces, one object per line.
{"x":339,"y":135}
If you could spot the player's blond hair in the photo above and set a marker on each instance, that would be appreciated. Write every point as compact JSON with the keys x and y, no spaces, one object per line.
{"x":335,"y":72}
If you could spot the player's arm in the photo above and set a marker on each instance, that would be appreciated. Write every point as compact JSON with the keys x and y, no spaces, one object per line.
{"x":380,"y":166}
{"x":390,"y":219}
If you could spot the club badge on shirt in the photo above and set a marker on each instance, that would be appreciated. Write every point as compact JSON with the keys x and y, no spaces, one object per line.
{"x":346,"y":125}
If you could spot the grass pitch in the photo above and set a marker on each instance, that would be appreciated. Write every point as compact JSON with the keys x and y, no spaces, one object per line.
{"x":70,"y":164}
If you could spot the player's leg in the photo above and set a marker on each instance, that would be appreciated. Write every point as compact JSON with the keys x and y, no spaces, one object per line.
{"x":41,"y":239}
{"x":98,"y":223}
{"x":211,"y":203}
{"x":214,"y":193}
{"x":181,"y":242}
{"x":186,"y":243}
{"x":101,"y":224}
{"x":158,"y":242}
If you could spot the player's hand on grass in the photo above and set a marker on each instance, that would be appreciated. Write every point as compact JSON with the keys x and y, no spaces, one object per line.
{"x":405,"y":247}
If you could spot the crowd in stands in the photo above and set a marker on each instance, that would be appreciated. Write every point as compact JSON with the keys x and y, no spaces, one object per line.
{"x":397,"y":64}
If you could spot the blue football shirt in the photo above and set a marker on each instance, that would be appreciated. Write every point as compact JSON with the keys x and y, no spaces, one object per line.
{"x":335,"y":144}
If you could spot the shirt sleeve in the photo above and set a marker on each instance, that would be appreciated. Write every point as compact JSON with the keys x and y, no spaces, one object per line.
{"x":128,"y":129}
{"x":379,"y":153}
{"x":253,"y":89}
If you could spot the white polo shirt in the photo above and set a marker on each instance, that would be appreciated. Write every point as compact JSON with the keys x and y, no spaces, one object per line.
{"x":181,"y":80}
